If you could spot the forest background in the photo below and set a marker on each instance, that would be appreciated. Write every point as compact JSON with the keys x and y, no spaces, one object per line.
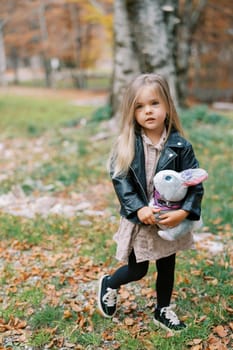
{"x":63,"y":67}
{"x":69,"y":43}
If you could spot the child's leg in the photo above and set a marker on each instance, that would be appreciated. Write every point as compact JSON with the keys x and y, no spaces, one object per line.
{"x":165,"y":280}
{"x":108,"y":285}
{"x":164,"y":316}
{"x":132,"y":272}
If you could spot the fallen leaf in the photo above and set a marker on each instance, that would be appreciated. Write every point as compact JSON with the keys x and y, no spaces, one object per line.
{"x":212,"y":339}
{"x":209,"y":262}
{"x":229,"y":309}
{"x":217,"y":221}
{"x":217,"y":346}
{"x":196,"y":347}
{"x":71,"y":345}
{"x":125,"y":295}
{"x":129,"y":321}
{"x":196,"y":272}
{"x":169,"y":335}
{"x":67,"y":314}
{"x":221,"y":331}
{"x":107,"y":335}
{"x":148,"y":292}
{"x":196,"y":341}
{"x":201,"y":319}
{"x":51,"y":344}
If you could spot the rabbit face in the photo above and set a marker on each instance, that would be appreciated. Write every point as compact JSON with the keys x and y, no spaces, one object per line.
{"x":170,"y":186}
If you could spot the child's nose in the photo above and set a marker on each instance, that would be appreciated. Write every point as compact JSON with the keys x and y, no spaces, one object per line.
{"x":147,"y":108}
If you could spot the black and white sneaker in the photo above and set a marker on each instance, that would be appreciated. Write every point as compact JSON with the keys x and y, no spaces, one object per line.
{"x":168,"y":320}
{"x":107,"y":298}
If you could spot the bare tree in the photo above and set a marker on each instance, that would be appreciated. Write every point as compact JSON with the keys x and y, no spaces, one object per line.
{"x":44,"y":40}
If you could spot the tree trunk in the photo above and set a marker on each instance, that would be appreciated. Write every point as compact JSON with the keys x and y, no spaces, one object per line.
{"x":126,"y":64}
{"x":189,"y":20}
{"x":44,"y":39}
{"x":78,"y":76}
{"x":153,"y":36}
{"x":15,"y":62}
{"x":2,"y":56}
{"x":144,"y":43}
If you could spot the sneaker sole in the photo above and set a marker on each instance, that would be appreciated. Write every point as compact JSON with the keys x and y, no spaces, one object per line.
{"x":161,"y":325}
{"x":99,"y":303}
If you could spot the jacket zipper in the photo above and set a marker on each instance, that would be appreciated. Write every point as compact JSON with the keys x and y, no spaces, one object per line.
{"x":139,"y":183}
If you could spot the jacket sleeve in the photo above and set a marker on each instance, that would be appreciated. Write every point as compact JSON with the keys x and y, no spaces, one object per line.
{"x":127,"y":193}
{"x":192,"y":201}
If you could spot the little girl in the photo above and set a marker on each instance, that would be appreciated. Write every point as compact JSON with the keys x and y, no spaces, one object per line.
{"x":150,"y":140}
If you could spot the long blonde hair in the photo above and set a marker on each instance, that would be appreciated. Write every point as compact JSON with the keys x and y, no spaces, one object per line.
{"x":123,"y":151}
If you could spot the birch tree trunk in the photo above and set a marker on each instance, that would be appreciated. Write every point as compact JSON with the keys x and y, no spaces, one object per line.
{"x":2,"y":56}
{"x":153,"y":36}
{"x":144,"y":43}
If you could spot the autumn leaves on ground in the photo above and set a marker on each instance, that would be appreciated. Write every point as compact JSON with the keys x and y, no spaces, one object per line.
{"x":58,"y":215}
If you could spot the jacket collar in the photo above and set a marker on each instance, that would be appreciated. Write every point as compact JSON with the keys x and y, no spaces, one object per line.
{"x":175,"y":140}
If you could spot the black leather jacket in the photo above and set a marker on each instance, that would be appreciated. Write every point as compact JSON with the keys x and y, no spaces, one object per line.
{"x":177,"y":155}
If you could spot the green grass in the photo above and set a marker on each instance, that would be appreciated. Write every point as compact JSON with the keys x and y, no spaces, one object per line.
{"x":70,"y":153}
{"x":40,"y":339}
{"x":211,"y":136}
{"x":32,"y":116}
{"x":49,"y":266}
{"x":49,"y":316}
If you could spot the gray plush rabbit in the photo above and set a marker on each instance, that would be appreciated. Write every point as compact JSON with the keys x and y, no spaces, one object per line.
{"x":170,"y":188}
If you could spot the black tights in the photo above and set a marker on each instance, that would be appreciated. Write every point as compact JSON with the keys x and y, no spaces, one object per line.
{"x":135,"y":271}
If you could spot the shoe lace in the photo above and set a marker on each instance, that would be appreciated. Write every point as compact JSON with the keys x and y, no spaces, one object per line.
{"x":110,"y":298}
{"x":170,"y":315}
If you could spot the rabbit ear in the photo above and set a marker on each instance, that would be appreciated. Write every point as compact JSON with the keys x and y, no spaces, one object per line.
{"x":192,"y":177}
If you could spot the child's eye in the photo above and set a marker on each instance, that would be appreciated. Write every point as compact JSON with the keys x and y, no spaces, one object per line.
{"x":155,"y":103}
{"x":138,"y":106}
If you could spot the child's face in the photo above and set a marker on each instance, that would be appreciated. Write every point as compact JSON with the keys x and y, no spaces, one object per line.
{"x":150,"y":111}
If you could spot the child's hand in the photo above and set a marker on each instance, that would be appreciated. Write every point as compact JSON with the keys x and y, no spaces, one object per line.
{"x":173,"y":218}
{"x":147,"y":215}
